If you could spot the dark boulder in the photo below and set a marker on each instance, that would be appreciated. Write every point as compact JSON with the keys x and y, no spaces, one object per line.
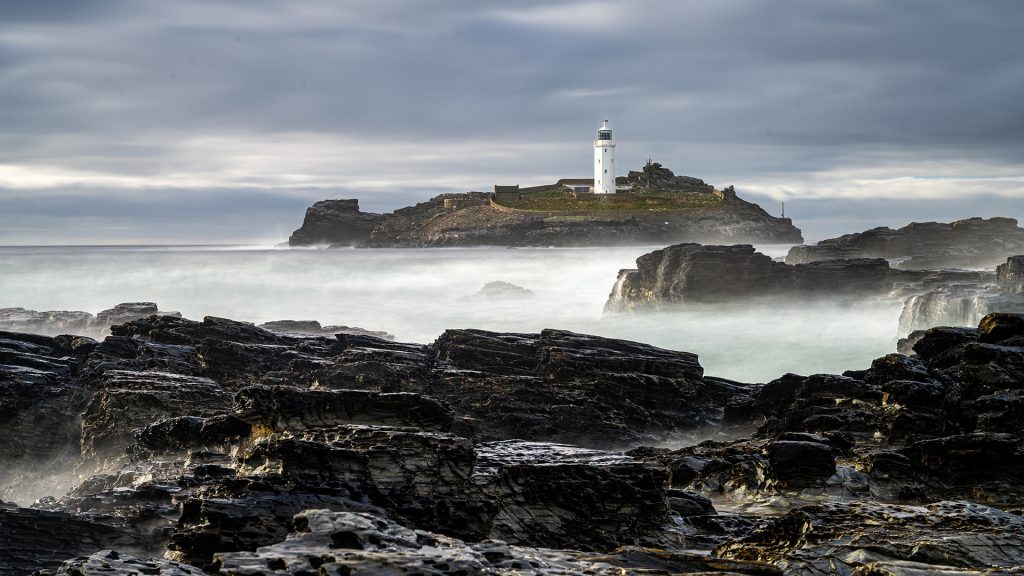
{"x":799,"y":464}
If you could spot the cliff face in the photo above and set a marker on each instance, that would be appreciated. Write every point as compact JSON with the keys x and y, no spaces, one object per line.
{"x":335,"y":222}
{"x":431,"y":224}
{"x":970,"y":243}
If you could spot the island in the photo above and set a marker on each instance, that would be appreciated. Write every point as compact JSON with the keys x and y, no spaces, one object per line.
{"x":649,"y":206}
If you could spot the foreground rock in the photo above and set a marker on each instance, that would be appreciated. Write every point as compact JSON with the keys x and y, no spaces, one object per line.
{"x":695,"y":273}
{"x":972,"y":243}
{"x":839,"y":538}
{"x":335,"y":223}
{"x":219,"y":447}
{"x":346,"y":543}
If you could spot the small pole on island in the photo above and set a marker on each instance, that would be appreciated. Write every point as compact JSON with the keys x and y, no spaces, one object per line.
{"x":783,"y":209}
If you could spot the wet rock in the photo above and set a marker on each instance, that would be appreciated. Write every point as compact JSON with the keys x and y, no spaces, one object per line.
{"x":970,"y":243}
{"x":571,"y":388}
{"x":1010,"y":275}
{"x":799,"y":464}
{"x":842,"y":537}
{"x":897,"y":367}
{"x":295,"y":409}
{"x":563,"y":496}
{"x":129,"y":401}
{"x":686,"y":503}
{"x":988,"y":463}
{"x":335,"y":222}
{"x":111,"y":562}
{"x":1001,"y":327}
{"x":942,"y":346}
{"x":32,"y":540}
{"x":349,"y":543}
{"x":41,"y":399}
{"x":243,"y":519}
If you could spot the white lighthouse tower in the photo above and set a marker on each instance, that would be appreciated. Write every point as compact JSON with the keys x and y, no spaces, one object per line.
{"x":604,"y":161}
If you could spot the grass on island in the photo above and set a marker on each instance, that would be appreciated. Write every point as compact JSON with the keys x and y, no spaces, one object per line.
{"x":556,"y":200}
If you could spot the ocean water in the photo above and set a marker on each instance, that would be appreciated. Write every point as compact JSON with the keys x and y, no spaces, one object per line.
{"x":417,"y":294}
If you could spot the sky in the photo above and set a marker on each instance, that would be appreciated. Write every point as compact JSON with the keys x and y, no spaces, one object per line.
{"x":200,"y":121}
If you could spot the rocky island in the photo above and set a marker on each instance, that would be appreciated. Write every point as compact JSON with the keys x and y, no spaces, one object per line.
{"x":653,"y":206}
{"x":181,"y":447}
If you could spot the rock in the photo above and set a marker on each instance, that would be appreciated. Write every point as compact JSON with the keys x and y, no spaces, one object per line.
{"x":351,"y":543}
{"x":998,"y":328}
{"x":111,"y":562}
{"x":283,"y":408}
{"x":970,"y":243}
{"x":224,"y":447}
{"x":1010,"y":275}
{"x":129,"y":401}
{"x":572,"y":388}
{"x":32,"y":540}
{"x":41,"y":399}
{"x":686,"y":503}
{"x":54,"y":322}
{"x":563,"y":496}
{"x":51,"y":323}
{"x":843,"y":537}
{"x":314,"y":328}
{"x":654,"y":176}
{"x":501,"y":290}
{"x":694,"y":273}
{"x":335,"y":222}
{"x":799,"y":464}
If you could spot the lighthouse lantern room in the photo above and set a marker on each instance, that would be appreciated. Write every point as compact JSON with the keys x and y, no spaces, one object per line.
{"x":604,"y":161}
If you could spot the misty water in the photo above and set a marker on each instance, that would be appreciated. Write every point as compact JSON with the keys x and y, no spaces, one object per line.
{"x":417,"y":294}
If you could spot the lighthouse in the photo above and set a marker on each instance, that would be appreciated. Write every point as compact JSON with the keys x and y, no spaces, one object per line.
{"x":604,"y":161}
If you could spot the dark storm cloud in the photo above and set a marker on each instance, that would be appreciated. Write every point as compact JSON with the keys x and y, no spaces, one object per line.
{"x":733,"y":90}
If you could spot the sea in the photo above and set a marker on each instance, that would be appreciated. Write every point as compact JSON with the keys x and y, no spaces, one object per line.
{"x":416,"y":294}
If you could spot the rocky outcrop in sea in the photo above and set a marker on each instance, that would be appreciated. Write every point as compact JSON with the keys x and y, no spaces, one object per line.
{"x":973,"y":243}
{"x":335,"y":223}
{"x":686,"y":274}
{"x":472,"y":220}
{"x":183,"y":447}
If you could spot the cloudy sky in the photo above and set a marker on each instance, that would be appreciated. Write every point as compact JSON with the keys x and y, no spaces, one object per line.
{"x":220,"y":121}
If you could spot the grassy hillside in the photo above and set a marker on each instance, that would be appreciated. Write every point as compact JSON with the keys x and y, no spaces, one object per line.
{"x":555,"y":199}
